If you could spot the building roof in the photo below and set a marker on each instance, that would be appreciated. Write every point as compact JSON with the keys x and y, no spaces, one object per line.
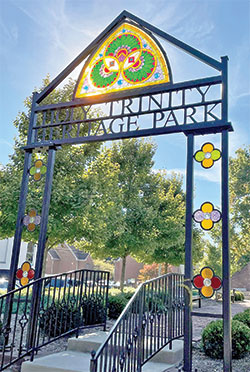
{"x":80,"y":255}
{"x":54,"y":254}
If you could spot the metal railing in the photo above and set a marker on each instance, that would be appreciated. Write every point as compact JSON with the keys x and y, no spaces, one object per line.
{"x":153,"y":318}
{"x":48,"y":308}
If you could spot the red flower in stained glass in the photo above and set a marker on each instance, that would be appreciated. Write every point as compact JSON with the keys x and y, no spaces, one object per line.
{"x":207,"y":282}
{"x":25,"y":273}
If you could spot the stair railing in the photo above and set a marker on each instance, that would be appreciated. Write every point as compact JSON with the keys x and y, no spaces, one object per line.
{"x":152,"y":319}
{"x":48,"y":308}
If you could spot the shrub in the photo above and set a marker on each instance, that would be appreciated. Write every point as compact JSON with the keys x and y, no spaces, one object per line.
{"x":93,"y":310}
{"x":238,"y":296}
{"x":243,"y":317}
{"x":59,"y":318}
{"x":212,"y":339}
{"x":116,"y":305}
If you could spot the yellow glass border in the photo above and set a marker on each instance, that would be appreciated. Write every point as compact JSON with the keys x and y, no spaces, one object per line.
{"x":155,"y":48}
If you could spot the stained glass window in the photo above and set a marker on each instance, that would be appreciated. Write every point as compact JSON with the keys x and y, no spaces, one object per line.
{"x":129,"y":58}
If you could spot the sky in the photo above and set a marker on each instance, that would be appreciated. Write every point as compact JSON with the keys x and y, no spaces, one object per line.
{"x":42,"y":37}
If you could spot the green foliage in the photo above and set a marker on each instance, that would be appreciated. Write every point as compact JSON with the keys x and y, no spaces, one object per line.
{"x":104,"y":266}
{"x":61,"y":317}
{"x":93,"y":310}
{"x":212,"y":339}
{"x":239,"y":186}
{"x":238,"y":296}
{"x":70,"y":193}
{"x":134,"y":210}
{"x":116,"y":305}
{"x":243,"y":317}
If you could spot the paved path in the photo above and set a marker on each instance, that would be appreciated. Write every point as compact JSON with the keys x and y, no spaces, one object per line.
{"x":211,"y":306}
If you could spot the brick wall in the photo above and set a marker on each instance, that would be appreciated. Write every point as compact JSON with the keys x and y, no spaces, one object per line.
{"x":132,"y":269}
{"x":67,"y":262}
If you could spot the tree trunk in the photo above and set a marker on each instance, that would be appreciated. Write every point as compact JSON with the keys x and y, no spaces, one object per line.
{"x":123,"y":273}
{"x":166,"y":267}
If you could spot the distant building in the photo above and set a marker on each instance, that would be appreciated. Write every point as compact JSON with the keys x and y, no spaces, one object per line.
{"x":241,"y":279}
{"x":131,"y":272}
{"x":27,"y":253}
{"x":61,"y":259}
{"x":65,"y":258}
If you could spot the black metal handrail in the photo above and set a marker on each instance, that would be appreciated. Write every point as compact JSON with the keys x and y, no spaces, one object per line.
{"x":48,"y":308}
{"x":153,"y":318}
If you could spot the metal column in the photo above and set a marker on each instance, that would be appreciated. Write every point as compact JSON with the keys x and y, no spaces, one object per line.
{"x":227,"y":367}
{"x":188,"y":255}
{"x":22,"y":202}
{"x":45,"y":213}
{"x":36,"y":294}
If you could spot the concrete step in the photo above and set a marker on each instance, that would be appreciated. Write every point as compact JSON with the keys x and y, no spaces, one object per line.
{"x":88,"y":342}
{"x":71,"y":361}
{"x":156,"y":367}
{"x":66,"y":361}
{"x":172,"y":356}
{"x":92,"y":341}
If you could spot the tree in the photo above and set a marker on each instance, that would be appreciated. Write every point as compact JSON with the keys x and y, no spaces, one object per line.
{"x":135,"y":211}
{"x":239,"y":187}
{"x":70,"y":193}
{"x":148,"y":272}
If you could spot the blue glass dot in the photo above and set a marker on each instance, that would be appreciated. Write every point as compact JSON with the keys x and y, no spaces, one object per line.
{"x":145,"y":45}
{"x":119,"y":82}
{"x":157,"y":75}
{"x":123,"y":30}
{"x":101,"y":55}
{"x":86,"y":87}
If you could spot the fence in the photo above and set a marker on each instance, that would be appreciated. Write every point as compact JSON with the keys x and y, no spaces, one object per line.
{"x":48,"y":308}
{"x":153,"y":318}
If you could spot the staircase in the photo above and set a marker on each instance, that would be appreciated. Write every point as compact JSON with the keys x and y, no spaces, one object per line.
{"x":77,"y":357}
{"x":146,"y":336}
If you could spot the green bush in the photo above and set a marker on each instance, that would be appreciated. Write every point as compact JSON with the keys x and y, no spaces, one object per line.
{"x":59,"y":318}
{"x":238,"y":296}
{"x":212,"y":339}
{"x":93,"y":310}
{"x":116,"y":305}
{"x":243,"y":317}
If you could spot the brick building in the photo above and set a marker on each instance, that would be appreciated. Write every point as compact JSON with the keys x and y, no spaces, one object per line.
{"x":132,"y":269}
{"x":67,"y":258}
{"x":241,"y":279}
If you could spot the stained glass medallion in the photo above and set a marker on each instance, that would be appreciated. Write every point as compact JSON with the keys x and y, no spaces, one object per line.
{"x":25,"y":273}
{"x":129,"y":58}
{"x":207,"y":282}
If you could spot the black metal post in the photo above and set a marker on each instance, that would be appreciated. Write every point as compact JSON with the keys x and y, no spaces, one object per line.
{"x":188,"y":255}
{"x":41,"y":248}
{"x":45,"y":213}
{"x":22,"y":202}
{"x":19,"y":223}
{"x":227,"y":367}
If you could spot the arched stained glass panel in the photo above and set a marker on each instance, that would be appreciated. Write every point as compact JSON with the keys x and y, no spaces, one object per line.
{"x":129,"y":58}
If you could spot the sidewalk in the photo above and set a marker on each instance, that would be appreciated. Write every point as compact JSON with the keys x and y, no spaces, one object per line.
{"x":211,"y":306}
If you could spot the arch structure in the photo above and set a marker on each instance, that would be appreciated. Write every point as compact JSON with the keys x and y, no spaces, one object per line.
{"x":127,"y":71}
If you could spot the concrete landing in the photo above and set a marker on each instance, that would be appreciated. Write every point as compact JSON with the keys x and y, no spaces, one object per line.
{"x":66,"y":361}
